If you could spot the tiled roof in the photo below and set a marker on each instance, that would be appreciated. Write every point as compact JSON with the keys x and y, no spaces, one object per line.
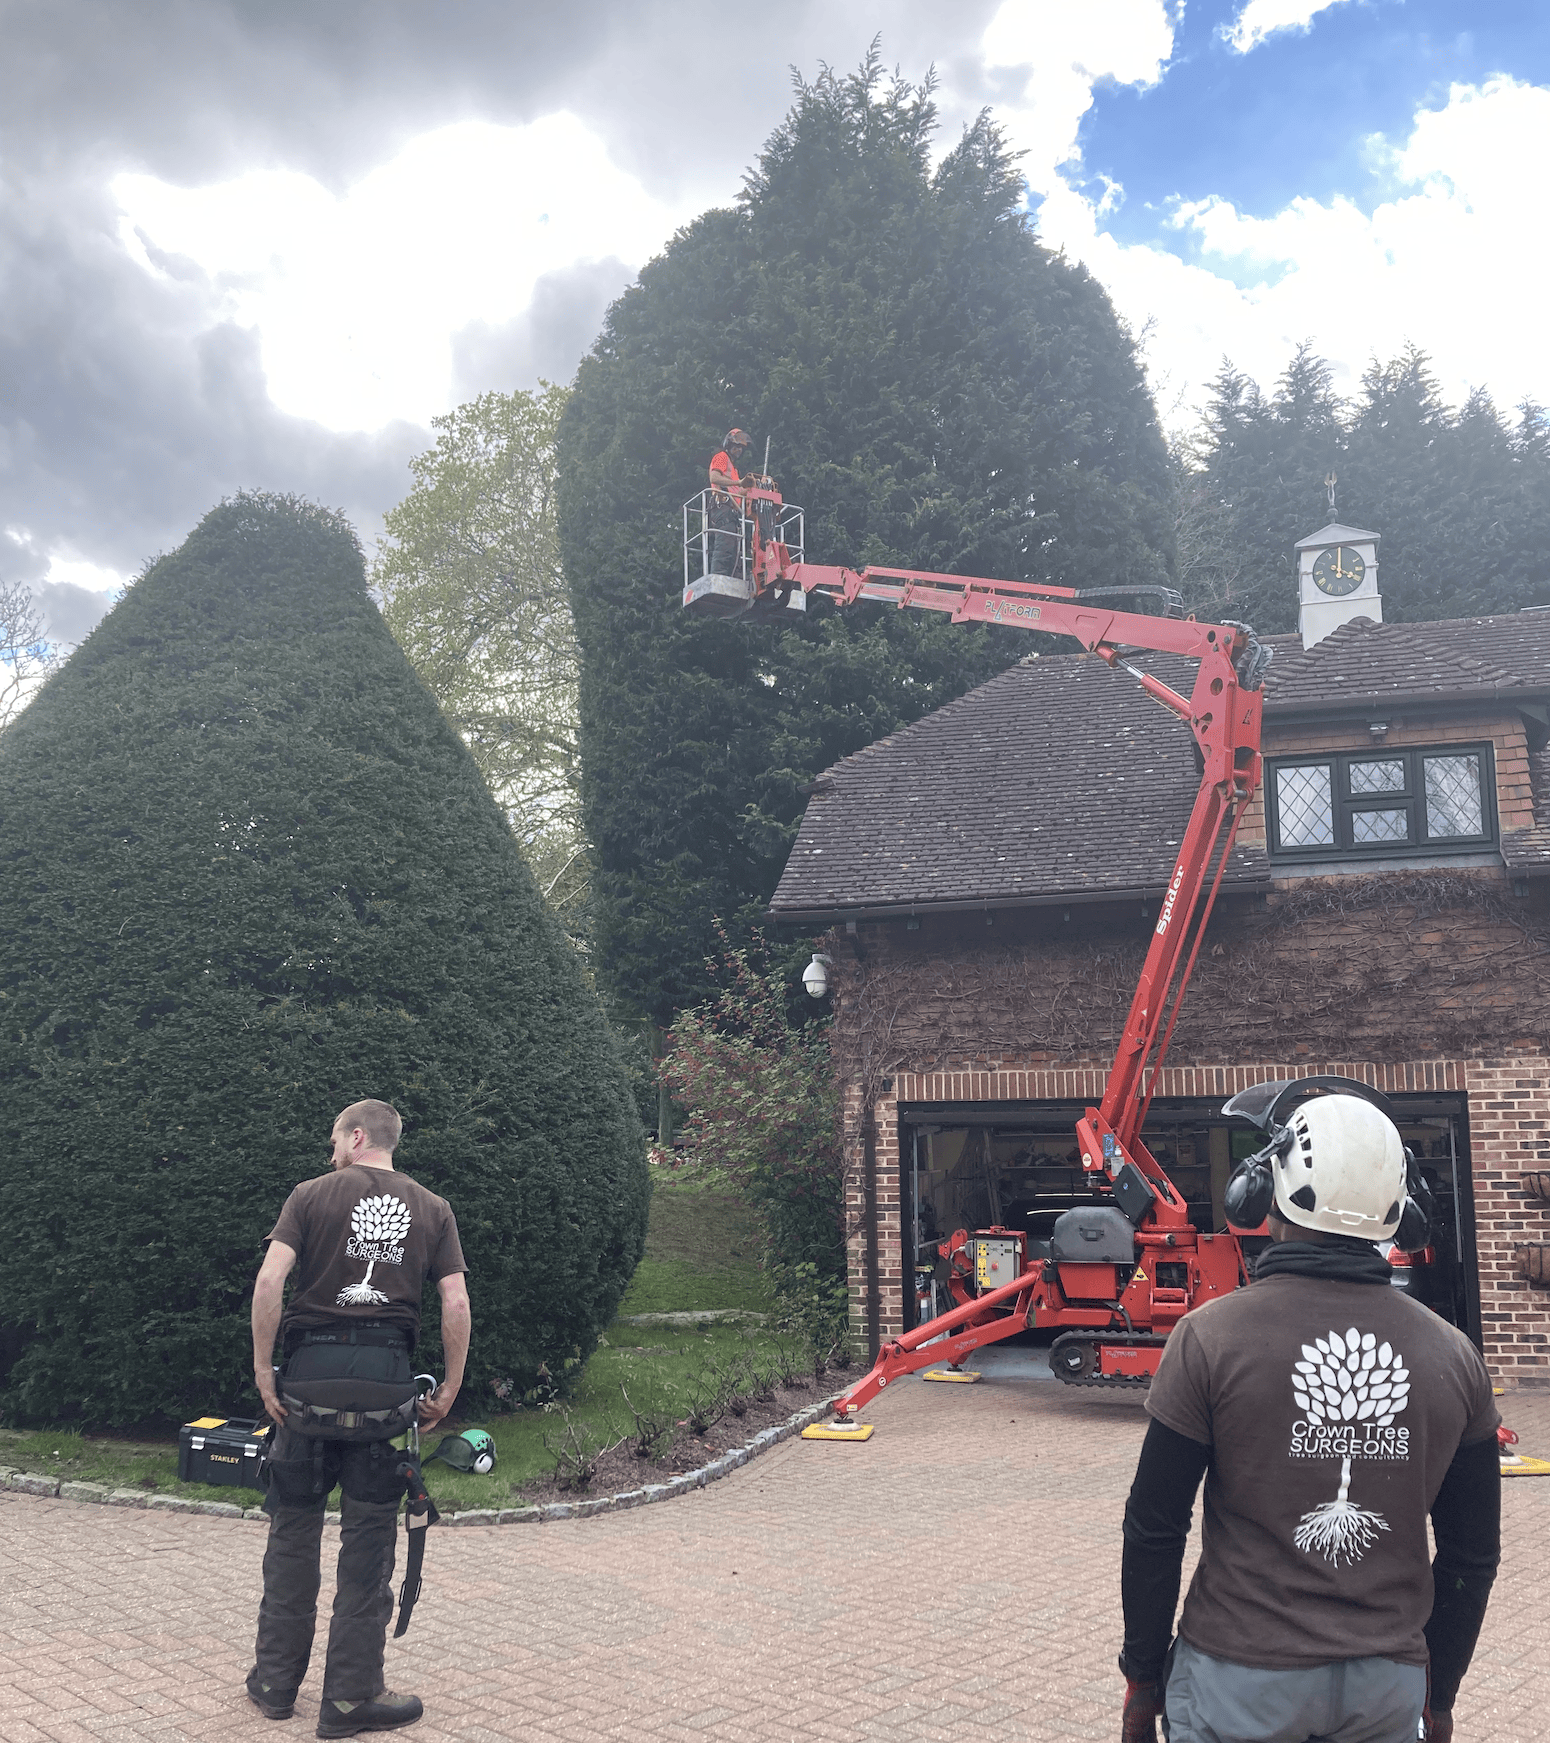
{"x":1058,"y":777}
{"x":1364,"y":662}
{"x":1062,"y":778}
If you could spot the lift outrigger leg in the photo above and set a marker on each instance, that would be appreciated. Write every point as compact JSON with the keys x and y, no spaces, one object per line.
{"x":1000,"y":1313}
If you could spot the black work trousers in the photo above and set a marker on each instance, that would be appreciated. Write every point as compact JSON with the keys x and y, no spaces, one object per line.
{"x":302,"y":1473}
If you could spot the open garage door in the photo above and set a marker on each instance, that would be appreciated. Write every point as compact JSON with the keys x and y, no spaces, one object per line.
{"x":1015,"y":1165}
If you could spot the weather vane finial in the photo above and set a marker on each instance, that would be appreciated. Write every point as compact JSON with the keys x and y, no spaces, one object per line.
{"x":1329,"y":490}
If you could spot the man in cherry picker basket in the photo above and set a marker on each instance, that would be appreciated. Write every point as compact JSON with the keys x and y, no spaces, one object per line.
{"x":1329,"y":1415}
{"x":362,"y":1240}
{"x":725,"y":514}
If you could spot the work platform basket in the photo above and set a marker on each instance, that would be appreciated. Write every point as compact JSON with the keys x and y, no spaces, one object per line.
{"x":720,"y":537}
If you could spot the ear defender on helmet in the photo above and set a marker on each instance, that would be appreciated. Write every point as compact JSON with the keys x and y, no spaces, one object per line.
{"x":1337,"y":1165}
{"x":472,"y":1450}
{"x":1251,"y":1190}
{"x":1415,"y":1220}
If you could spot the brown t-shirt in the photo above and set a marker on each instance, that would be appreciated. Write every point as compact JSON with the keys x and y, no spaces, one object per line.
{"x":1333,"y":1411}
{"x":365,"y":1241}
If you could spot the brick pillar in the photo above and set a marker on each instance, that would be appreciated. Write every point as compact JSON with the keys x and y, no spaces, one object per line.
{"x":891,"y":1268}
{"x":893,"y":1256}
{"x":1509,"y":1106}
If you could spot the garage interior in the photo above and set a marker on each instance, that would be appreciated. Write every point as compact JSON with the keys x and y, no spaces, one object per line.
{"x":1015,"y":1165}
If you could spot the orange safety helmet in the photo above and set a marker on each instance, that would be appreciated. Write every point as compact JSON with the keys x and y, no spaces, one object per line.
{"x":735,"y":438}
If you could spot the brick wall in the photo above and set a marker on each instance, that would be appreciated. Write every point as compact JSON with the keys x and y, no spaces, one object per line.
{"x":1509,"y":1130}
{"x":1509,"y":1103}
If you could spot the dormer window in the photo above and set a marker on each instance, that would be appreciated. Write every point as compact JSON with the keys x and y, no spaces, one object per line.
{"x":1385,"y":801}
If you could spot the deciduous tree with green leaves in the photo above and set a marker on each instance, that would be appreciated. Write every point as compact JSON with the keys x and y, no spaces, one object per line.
{"x":938,"y":388}
{"x":472,"y":590}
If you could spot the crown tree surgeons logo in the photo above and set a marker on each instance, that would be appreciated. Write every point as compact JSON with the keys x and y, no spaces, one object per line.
{"x":380,"y":1225}
{"x":1349,"y":1388}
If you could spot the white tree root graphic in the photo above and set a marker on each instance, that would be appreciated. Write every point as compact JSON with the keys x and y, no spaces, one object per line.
{"x":380,"y":1222}
{"x":1347,"y":1378}
{"x":1339,"y":1528}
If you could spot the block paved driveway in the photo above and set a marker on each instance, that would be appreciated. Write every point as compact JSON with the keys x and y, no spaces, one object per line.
{"x":957,"y":1577}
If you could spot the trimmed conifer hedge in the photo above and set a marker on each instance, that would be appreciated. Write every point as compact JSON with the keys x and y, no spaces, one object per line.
{"x":249,"y":874}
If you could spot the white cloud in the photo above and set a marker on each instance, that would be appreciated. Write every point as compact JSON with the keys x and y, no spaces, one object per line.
{"x":1066,"y":50}
{"x":77,"y":572}
{"x":1262,"y":18}
{"x":75,"y":596}
{"x":1454,"y":260}
{"x":356,"y":297}
{"x":73,"y":593}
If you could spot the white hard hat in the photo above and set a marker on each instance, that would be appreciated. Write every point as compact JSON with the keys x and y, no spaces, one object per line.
{"x":1344,"y":1170}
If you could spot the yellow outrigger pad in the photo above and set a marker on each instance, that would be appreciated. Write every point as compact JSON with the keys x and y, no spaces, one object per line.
{"x":824,"y":1431}
{"x":1521,"y":1465}
{"x":957,"y":1376}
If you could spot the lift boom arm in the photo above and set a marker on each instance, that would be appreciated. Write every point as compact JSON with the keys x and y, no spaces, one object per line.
{"x":1223,"y":712}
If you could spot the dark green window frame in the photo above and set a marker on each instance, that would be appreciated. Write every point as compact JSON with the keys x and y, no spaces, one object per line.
{"x":1380,"y":802}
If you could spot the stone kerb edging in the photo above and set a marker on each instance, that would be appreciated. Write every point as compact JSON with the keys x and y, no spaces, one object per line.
{"x":31,"y":1483}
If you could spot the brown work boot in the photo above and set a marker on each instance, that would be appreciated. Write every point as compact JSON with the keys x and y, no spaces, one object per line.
{"x":384,"y":1712}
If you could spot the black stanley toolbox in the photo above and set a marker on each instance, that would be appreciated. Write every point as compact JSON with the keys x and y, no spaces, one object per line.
{"x":222,"y":1449}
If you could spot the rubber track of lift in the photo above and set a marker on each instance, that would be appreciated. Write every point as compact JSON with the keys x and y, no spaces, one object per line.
{"x":1108,"y":1382}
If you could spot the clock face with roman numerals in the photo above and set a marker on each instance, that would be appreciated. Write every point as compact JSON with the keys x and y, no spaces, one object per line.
{"x":1338,"y":571}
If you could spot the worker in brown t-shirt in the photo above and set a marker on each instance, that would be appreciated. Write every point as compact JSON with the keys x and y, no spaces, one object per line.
{"x":1330,"y":1415}
{"x":362,"y":1240}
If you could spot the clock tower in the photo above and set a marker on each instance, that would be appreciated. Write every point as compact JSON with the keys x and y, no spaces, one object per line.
{"x":1337,"y":577}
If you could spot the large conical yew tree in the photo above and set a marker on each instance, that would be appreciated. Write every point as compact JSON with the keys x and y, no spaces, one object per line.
{"x":938,"y":389}
{"x":249,"y":874}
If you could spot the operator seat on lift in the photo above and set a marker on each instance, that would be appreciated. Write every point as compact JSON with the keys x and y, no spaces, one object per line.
{"x":1095,"y":1234}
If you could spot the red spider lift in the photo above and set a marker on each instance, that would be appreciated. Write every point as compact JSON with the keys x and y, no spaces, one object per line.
{"x":1117,"y":1274}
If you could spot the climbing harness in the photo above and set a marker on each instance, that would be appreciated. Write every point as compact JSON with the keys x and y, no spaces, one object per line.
{"x":350,"y":1384}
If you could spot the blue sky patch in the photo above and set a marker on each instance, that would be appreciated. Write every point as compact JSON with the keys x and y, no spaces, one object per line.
{"x":1297,"y":114}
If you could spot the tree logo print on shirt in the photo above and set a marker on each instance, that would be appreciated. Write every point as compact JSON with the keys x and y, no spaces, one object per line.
{"x":380,"y":1225}
{"x":1349,"y":1388}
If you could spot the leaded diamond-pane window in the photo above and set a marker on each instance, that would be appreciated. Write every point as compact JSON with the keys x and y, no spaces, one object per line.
{"x":1453,"y":799}
{"x":1359,"y":803}
{"x":1384,"y":777}
{"x":1305,"y":806}
{"x":1380,"y":825}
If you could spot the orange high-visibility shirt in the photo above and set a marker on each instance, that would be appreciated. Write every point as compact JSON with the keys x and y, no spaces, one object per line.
{"x":721,"y":462}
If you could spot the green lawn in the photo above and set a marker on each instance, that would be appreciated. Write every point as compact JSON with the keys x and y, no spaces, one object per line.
{"x":700,"y":1256}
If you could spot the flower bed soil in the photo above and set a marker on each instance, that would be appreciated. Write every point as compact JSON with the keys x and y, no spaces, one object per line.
{"x":619,"y":1470}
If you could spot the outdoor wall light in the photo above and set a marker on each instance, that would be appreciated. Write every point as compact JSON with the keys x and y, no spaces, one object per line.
{"x":815,"y":977}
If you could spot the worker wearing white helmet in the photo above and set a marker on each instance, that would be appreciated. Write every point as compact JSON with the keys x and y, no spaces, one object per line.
{"x":1330,"y":1415}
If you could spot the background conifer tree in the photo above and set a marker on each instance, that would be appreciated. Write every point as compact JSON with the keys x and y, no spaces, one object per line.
{"x":938,"y":389}
{"x":1460,"y":496}
{"x":249,"y":874}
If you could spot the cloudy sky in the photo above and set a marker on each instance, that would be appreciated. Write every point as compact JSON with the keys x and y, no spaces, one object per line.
{"x":263,"y":242}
